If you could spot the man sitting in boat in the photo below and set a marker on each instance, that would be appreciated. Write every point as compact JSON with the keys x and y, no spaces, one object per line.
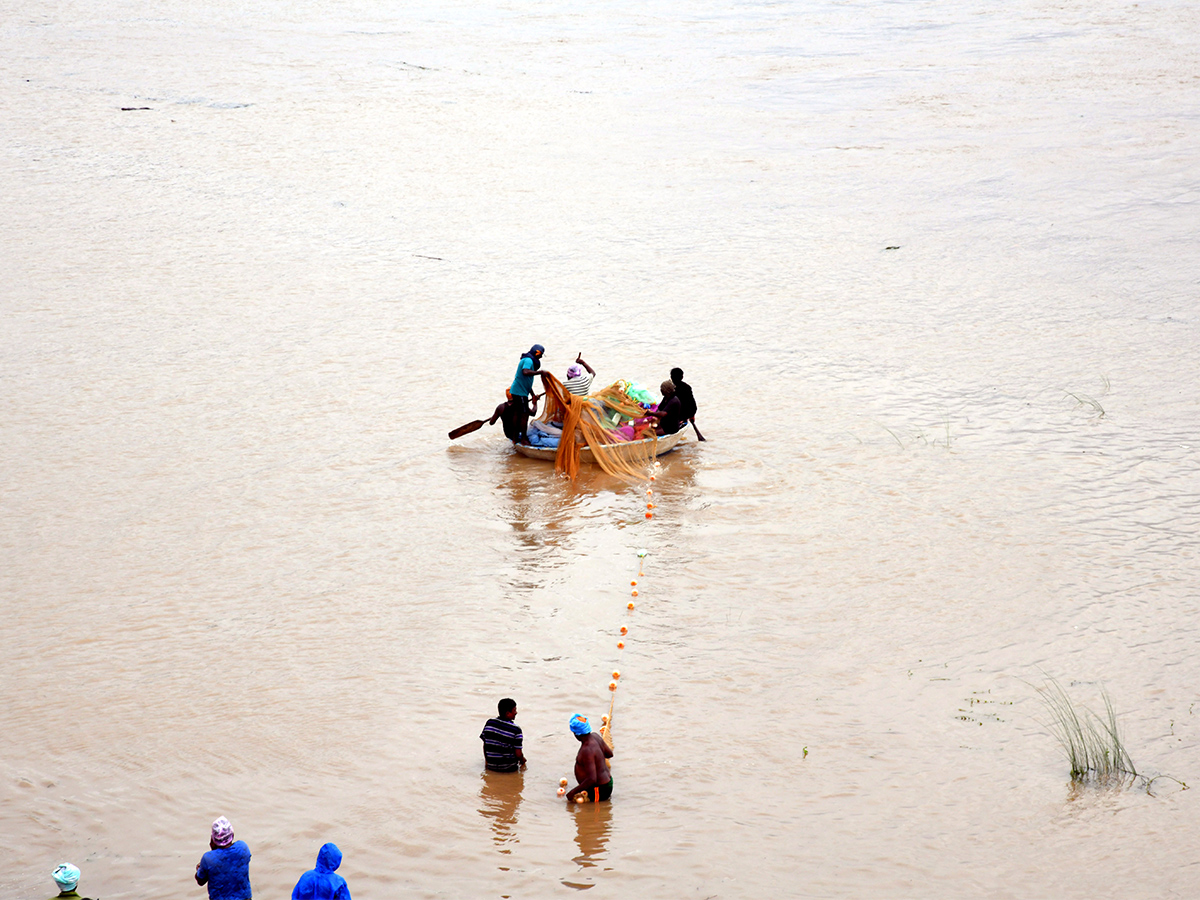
{"x":669,"y":413}
{"x":509,"y":414}
{"x":610,"y":428}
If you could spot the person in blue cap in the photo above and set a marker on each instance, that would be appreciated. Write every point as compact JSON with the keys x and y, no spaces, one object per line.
{"x":515,"y":413}
{"x":322,"y":883}
{"x":592,"y":774}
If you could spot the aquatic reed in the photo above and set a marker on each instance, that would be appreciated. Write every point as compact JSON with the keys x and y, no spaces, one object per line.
{"x":895,"y":436}
{"x":1085,"y":400}
{"x":1092,"y":744}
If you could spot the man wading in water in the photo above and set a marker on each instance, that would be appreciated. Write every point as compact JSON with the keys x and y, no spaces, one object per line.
{"x":591,"y":770}
{"x":502,"y":739}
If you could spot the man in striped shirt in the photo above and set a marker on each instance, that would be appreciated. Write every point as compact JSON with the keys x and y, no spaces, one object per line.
{"x":579,"y":381}
{"x":502,"y":739}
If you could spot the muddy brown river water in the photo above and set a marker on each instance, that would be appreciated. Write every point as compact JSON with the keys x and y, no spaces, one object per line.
{"x":932,"y":272}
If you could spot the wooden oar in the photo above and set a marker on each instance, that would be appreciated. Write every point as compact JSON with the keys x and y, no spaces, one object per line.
{"x":468,"y":428}
{"x":479,"y":423}
{"x":693,"y":421}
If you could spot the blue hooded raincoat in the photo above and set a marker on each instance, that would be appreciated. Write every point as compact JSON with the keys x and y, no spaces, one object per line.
{"x":322,"y":883}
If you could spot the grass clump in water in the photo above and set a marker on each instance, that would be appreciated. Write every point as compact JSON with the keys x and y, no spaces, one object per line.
{"x":1085,"y":400}
{"x":1092,"y":743}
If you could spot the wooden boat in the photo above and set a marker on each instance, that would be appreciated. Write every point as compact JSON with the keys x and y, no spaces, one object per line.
{"x":666,"y":444}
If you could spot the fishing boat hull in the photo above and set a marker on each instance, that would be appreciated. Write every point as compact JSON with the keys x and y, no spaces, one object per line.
{"x":633,"y":449}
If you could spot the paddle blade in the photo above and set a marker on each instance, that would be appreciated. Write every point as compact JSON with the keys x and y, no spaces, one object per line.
{"x":468,"y":428}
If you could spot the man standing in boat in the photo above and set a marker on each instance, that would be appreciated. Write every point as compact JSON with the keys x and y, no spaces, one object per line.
{"x":516,"y":412}
{"x":687,"y":402}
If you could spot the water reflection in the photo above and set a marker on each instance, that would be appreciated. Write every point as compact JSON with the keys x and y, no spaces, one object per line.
{"x":536,"y":507}
{"x":1090,"y":795}
{"x":499,"y":797}
{"x":676,"y":481}
{"x":593,"y":823}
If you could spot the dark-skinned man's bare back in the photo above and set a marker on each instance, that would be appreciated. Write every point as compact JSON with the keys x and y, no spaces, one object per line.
{"x":591,"y":769}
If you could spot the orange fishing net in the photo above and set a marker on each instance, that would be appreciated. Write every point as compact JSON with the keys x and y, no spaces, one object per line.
{"x":593,"y":422}
{"x":606,"y":728}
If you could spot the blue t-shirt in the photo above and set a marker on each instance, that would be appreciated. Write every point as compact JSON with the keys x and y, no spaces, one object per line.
{"x":227,"y":871}
{"x":523,"y":382}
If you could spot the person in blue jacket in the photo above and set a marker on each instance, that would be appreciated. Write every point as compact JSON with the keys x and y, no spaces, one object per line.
{"x":516,"y":418}
{"x":225,"y":868}
{"x":322,"y":883}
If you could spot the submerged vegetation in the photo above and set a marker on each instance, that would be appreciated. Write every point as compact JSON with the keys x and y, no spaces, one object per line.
{"x":1091,"y":402}
{"x":917,"y":433}
{"x":1085,"y":400}
{"x":1092,"y":743}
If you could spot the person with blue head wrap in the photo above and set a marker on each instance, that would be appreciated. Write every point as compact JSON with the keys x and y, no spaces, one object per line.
{"x":519,"y":406}
{"x":66,"y":876}
{"x":592,"y":775}
{"x":528,"y":365}
{"x":323,"y":883}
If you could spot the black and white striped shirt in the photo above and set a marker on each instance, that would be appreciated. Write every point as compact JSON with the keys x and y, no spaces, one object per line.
{"x":580,"y":384}
{"x":501,"y":741}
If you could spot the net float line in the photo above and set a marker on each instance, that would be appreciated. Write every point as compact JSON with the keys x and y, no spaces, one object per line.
{"x":642,"y":553}
{"x":607,"y":720}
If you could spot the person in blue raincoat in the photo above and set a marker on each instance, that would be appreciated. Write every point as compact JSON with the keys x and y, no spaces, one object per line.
{"x":322,"y":883}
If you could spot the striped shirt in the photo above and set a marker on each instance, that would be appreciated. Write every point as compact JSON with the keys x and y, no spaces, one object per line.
{"x":580,"y":384}
{"x":501,"y":740}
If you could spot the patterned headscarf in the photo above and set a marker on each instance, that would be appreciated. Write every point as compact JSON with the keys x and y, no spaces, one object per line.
{"x":66,"y":876}
{"x":222,"y":832}
{"x":579,"y":725}
{"x":574,"y":370}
